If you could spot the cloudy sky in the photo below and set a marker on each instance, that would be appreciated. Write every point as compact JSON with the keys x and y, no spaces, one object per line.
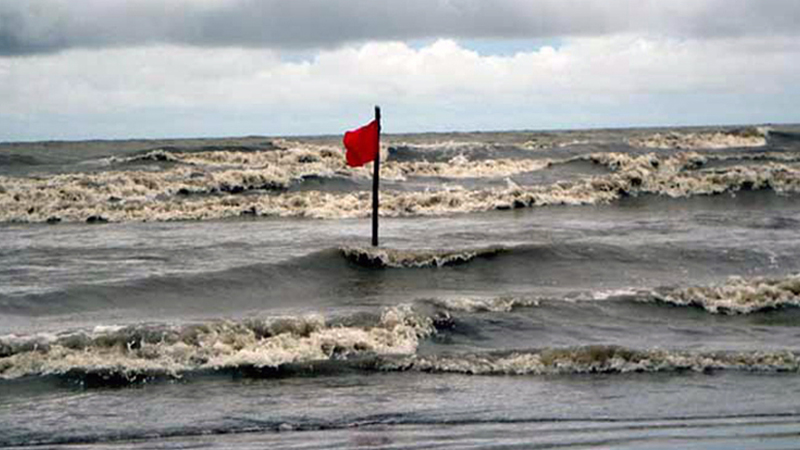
{"x":77,"y":69}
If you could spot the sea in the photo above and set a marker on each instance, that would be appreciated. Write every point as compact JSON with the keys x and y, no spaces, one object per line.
{"x":617,"y":288}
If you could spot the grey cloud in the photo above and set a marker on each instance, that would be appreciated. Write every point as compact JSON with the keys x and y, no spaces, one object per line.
{"x":41,"y":26}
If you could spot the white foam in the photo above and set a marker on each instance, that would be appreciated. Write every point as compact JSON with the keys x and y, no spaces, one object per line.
{"x":473,"y":305}
{"x":755,"y":137}
{"x":218,"y":345}
{"x":397,"y":258}
{"x":765,"y":156}
{"x":449,"y":145}
{"x":739,"y":295}
{"x":598,"y":359}
{"x":152,"y":196}
{"x":461,"y":167}
{"x":605,"y":295}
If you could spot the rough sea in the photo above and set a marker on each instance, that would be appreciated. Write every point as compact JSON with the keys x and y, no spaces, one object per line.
{"x":626,"y":289}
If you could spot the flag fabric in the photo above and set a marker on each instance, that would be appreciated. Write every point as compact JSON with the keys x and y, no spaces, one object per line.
{"x":362,"y":144}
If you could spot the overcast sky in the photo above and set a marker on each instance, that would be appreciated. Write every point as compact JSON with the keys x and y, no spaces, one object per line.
{"x":76,"y":69}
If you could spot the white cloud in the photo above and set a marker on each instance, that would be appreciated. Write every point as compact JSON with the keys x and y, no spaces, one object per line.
{"x":586,"y":81}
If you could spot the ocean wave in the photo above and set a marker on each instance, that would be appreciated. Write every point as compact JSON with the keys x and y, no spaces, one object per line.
{"x":477,"y":305}
{"x":462,"y":167}
{"x":84,"y":194}
{"x":323,"y":159}
{"x":136,"y":352}
{"x":784,"y":157}
{"x":163,"y":194}
{"x":450,"y":145}
{"x":296,"y":155}
{"x":747,"y":137}
{"x":307,"y":345}
{"x":595,"y":359}
{"x":157,"y":155}
{"x":396,"y":258}
{"x":167,"y":195}
{"x":738,"y":295}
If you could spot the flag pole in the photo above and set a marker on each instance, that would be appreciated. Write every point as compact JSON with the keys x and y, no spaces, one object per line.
{"x":376,"y":175}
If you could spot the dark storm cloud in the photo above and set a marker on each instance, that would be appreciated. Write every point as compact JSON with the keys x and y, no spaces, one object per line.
{"x":41,"y":26}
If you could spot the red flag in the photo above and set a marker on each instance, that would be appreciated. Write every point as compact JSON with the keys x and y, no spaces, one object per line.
{"x":362,"y":144}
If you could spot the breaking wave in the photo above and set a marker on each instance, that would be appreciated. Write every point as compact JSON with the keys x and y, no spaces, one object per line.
{"x":136,"y":352}
{"x":205,"y":185}
{"x":114,"y":355}
{"x":296,"y":156}
{"x":784,"y":157}
{"x":461,"y":167}
{"x":385,"y":340}
{"x":596,"y":359}
{"x":293,"y":163}
{"x":477,"y":305}
{"x":170,"y":194}
{"x":395,"y":258}
{"x":738,"y":295}
{"x":747,"y":137}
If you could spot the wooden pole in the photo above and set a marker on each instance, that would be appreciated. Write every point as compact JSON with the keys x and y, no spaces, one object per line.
{"x":376,"y":175}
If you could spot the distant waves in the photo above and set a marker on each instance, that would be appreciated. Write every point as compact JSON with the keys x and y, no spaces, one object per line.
{"x":204,"y":187}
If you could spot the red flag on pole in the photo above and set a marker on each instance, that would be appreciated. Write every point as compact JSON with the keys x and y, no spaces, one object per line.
{"x":362,"y":144}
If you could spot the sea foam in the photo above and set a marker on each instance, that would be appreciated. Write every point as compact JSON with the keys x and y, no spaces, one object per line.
{"x":184,"y":193}
{"x":748,"y":137}
{"x":738,"y":295}
{"x":397,"y":258}
{"x":596,"y":359}
{"x":147,"y":350}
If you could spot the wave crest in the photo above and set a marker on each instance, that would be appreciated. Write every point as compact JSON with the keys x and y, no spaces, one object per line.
{"x":597,"y":359}
{"x":747,"y":137}
{"x":738,"y":295}
{"x":474,"y":305}
{"x":395,"y":258}
{"x":164,"y":196}
{"x":133,"y":352}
